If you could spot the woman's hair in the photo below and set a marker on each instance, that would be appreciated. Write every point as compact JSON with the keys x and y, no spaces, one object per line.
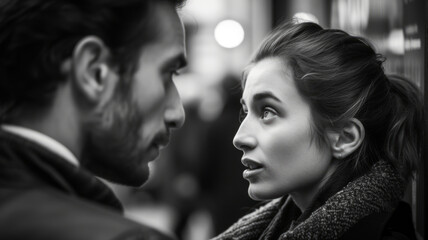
{"x":342,"y":77}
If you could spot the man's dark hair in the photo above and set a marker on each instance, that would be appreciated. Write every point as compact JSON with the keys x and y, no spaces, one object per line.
{"x":37,"y":36}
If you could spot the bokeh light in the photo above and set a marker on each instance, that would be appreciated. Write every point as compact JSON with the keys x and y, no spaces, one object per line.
{"x":229,"y":33}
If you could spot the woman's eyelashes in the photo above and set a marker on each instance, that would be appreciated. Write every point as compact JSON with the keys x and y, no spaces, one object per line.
{"x":268,"y":113}
{"x":265,"y":113}
{"x":242,"y":114}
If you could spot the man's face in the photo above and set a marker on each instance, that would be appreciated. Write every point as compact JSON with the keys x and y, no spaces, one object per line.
{"x":137,"y":122}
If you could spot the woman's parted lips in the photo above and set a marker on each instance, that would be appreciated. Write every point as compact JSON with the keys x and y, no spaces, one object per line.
{"x":250,"y":163}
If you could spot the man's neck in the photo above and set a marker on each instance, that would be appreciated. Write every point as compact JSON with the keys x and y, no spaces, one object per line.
{"x":59,"y":121}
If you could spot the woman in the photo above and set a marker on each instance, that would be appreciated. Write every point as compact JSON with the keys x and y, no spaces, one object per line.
{"x":328,"y":136}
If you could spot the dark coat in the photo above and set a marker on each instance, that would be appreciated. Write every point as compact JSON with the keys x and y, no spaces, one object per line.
{"x":367,"y":208}
{"x":397,"y":225}
{"x":42,"y":196}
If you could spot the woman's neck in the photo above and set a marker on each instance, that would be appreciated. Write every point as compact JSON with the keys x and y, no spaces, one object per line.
{"x":304,"y":199}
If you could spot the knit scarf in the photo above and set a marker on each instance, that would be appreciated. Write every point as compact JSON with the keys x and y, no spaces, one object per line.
{"x":377,"y":191}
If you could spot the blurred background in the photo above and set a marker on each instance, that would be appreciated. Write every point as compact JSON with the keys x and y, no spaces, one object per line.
{"x":196,"y":189}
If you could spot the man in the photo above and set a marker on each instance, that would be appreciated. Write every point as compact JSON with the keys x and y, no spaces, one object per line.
{"x":86,"y":89}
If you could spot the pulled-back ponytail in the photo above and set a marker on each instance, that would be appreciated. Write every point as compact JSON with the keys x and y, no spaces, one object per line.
{"x":404,"y":140}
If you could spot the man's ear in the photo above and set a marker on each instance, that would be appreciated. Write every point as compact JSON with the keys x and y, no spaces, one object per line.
{"x":347,"y":139}
{"x":90,"y":68}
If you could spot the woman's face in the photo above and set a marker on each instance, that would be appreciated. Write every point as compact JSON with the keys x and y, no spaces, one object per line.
{"x":279,"y":149}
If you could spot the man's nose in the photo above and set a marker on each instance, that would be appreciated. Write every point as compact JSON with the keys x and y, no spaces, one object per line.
{"x":174,"y":114}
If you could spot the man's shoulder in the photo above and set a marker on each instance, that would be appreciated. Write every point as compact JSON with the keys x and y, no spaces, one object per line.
{"x":47,"y":214}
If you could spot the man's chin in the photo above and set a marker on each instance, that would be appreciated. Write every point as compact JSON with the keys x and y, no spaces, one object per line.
{"x":153,"y":153}
{"x":132,"y":177}
{"x":136,"y":177}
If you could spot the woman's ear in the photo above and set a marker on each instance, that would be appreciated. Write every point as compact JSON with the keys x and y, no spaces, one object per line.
{"x":347,"y":139}
{"x":90,"y":68}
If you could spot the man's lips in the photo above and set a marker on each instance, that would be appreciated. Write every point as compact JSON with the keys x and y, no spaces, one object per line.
{"x":161,"y":140}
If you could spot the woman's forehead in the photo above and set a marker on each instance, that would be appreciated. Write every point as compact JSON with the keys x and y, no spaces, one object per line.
{"x":268,"y":75}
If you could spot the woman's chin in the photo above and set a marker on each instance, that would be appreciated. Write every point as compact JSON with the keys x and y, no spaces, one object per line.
{"x":258,"y":195}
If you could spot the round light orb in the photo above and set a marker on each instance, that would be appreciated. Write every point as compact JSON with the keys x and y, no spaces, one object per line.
{"x":229,"y":33}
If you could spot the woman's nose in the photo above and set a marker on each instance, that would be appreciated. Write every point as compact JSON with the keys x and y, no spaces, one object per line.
{"x":244,"y":140}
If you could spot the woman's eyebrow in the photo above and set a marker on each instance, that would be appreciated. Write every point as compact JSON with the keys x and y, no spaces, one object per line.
{"x":264,"y":95}
{"x":261,"y":96}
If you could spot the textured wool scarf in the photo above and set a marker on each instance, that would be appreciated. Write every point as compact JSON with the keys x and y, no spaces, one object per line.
{"x":378,"y":190}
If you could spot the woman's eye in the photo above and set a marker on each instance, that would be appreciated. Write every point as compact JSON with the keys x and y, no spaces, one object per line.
{"x":242,"y":115}
{"x":268,"y":113}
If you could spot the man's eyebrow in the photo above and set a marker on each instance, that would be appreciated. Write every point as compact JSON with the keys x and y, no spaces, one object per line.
{"x":176,"y":62}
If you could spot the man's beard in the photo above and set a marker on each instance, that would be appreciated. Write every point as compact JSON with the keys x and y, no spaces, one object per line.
{"x":112,"y":147}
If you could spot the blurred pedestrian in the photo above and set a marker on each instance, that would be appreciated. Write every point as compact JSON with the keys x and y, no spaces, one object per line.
{"x":224,"y":190}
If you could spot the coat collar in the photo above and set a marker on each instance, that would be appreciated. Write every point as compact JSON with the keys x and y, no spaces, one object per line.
{"x":43,"y":140}
{"x":377,"y":191}
{"x":36,"y":166}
